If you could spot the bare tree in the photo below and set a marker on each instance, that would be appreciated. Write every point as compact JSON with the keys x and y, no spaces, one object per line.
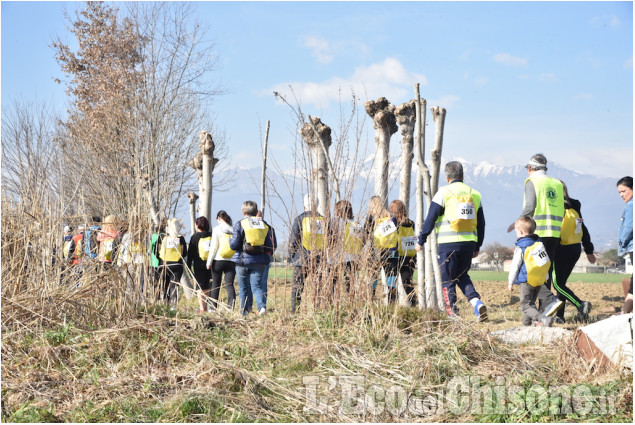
{"x":438,"y":115}
{"x":139,"y":96}
{"x":423,"y":296}
{"x":384,"y":122}
{"x":317,"y":136}
{"x":406,"y":118}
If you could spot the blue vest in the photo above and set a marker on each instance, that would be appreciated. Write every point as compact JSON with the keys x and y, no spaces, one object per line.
{"x":523,"y":243}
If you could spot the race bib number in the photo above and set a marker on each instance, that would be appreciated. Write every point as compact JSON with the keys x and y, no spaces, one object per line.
{"x":408,"y":243}
{"x":256,"y":223}
{"x":578,"y":226}
{"x":465,"y":211}
{"x":206,"y":246}
{"x":108,"y":245}
{"x":355,"y":229}
{"x":172,"y":243}
{"x":539,"y":254}
{"x":318,"y":227}
{"x":386,"y":228}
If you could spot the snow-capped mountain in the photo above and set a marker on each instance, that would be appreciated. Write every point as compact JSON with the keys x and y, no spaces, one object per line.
{"x":501,"y":187}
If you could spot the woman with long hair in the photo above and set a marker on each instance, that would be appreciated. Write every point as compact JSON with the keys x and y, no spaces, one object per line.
{"x":197,"y":254}
{"x":219,"y":260}
{"x":573,"y":232}
{"x":171,"y":251}
{"x":383,"y":228}
{"x":406,"y":247}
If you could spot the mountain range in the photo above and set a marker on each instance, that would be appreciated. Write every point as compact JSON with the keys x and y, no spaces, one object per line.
{"x":501,"y":187}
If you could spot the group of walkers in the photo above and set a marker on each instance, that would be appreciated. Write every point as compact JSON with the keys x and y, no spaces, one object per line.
{"x":551,"y":235}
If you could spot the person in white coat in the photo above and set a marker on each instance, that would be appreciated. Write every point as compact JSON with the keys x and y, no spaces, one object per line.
{"x":219,"y":260}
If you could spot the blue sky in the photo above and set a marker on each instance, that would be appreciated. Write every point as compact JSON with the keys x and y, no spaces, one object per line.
{"x":516,"y":78}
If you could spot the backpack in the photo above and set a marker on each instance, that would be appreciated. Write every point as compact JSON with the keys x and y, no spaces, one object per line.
{"x":571,"y":232}
{"x":170,"y":249}
{"x":204,"y":245}
{"x":66,"y":249}
{"x":353,"y":241}
{"x":462,"y":213}
{"x":537,"y":263}
{"x":255,"y":234}
{"x":407,"y":241}
{"x":224,"y":250}
{"x":312,"y":233}
{"x":385,"y":234}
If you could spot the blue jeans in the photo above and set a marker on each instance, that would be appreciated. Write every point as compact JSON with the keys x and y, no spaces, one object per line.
{"x":249,"y":278}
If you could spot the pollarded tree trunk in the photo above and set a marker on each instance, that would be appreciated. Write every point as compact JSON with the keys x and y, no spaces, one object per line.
{"x":420,"y":106}
{"x":384,"y":123}
{"x":438,"y":115}
{"x":318,"y":144}
{"x":209,"y":162}
{"x":193,"y":197}
{"x":406,"y":118}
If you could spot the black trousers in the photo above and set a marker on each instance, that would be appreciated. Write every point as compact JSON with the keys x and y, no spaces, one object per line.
{"x":564,"y":262}
{"x":228,"y":268}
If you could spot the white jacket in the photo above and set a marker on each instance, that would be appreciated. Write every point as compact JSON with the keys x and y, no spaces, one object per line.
{"x":213,"y":249}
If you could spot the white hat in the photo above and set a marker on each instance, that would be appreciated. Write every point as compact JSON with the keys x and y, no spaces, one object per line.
{"x":68,"y":229}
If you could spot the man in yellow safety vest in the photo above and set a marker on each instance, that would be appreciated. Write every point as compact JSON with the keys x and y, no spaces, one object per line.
{"x":457,"y":215}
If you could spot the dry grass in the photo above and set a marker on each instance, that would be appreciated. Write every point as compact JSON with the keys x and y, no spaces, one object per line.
{"x":95,"y":354}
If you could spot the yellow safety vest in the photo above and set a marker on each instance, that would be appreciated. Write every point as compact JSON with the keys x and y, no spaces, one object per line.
{"x":255,"y":230}
{"x":537,"y":264}
{"x":549,"y":206}
{"x":170,"y":249}
{"x":353,"y":240}
{"x":107,"y":247}
{"x":66,"y":249}
{"x":313,"y":233}
{"x":385,"y":235}
{"x":571,"y":232}
{"x":407,"y":241}
{"x":459,"y":220}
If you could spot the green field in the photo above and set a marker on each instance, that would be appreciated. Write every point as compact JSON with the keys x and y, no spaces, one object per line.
{"x":279,"y":273}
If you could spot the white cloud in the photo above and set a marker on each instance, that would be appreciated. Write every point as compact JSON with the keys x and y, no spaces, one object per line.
{"x":604,"y":21}
{"x":322,"y":50}
{"x":444,"y":101}
{"x":583,"y":96}
{"x":509,"y":60}
{"x":388,"y":78}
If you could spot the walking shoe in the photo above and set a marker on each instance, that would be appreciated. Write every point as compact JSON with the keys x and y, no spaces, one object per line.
{"x":261,"y":311}
{"x":547,"y":321}
{"x":480,"y":311}
{"x":553,"y":308}
{"x":585,"y":308}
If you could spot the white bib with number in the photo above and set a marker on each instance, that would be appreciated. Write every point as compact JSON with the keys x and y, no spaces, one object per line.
{"x":408,"y":243}
{"x":540,"y":256}
{"x":256,"y":223}
{"x":386,"y":228}
{"x":172,"y":243}
{"x":465,"y":211}
{"x":578,"y":226}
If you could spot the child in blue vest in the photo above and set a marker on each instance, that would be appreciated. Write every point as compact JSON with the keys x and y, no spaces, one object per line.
{"x":529,"y":269}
